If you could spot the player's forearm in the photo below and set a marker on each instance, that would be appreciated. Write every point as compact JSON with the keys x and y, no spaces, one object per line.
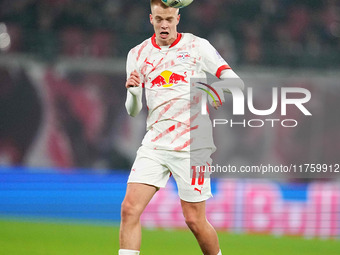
{"x":133,"y":103}
{"x":229,"y":81}
{"x":229,"y":77}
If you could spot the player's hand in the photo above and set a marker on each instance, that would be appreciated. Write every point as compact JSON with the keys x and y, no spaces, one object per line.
{"x":216,"y":104}
{"x":133,"y":80}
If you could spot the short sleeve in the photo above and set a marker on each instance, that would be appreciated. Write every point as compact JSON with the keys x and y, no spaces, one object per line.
{"x":212,"y":61}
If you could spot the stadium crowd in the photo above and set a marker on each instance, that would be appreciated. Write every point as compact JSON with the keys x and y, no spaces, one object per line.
{"x":266,"y":32}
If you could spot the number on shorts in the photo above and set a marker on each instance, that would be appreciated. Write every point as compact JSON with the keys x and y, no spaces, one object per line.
{"x":201,"y":172}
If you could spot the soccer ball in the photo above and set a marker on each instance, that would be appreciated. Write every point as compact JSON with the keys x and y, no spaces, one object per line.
{"x":177,"y":3}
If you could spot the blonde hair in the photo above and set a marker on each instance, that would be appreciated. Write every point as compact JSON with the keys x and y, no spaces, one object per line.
{"x":159,"y":3}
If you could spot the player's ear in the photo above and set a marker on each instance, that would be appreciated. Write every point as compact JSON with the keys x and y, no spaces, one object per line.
{"x":178,"y":18}
{"x":151,"y":19}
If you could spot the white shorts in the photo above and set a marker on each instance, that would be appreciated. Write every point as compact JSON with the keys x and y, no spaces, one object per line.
{"x":190,"y":170}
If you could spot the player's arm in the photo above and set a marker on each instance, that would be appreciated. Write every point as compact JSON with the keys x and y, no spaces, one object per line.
{"x":133,"y":103}
{"x":227,"y":78}
{"x":213,"y":63}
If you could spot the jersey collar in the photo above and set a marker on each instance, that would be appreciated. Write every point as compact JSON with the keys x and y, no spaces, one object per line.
{"x":153,"y":40}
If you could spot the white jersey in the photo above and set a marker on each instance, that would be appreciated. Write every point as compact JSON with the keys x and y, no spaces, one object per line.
{"x":174,"y":119}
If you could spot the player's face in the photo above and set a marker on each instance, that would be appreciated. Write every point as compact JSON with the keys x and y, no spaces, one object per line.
{"x":165,"y":23}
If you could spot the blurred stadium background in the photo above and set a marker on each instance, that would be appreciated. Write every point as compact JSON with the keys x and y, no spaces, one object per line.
{"x":67,"y":143}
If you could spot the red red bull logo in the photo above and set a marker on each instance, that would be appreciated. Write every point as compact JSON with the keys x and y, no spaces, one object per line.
{"x":168,"y":79}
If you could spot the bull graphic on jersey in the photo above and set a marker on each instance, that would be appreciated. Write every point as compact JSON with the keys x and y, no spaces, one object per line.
{"x":168,"y":79}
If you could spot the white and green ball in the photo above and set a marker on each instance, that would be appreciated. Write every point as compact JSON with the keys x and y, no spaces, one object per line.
{"x":177,"y":3}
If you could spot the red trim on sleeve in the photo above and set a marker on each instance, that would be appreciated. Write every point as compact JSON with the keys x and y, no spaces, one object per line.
{"x":220,"y":69}
{"x":153,"y":41}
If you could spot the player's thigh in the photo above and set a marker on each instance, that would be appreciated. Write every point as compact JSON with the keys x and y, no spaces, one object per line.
{"x":137,"y":196}
{"x":193,"y":212}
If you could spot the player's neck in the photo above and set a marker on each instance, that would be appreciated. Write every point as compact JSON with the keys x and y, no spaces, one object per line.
{"x":168,"y":43}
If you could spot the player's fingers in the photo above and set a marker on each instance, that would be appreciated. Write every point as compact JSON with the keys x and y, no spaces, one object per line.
{"x":135,"y":73}
{"x":132,"y":82}
{"x":135,"y":78}
{"x":216,"y":104}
